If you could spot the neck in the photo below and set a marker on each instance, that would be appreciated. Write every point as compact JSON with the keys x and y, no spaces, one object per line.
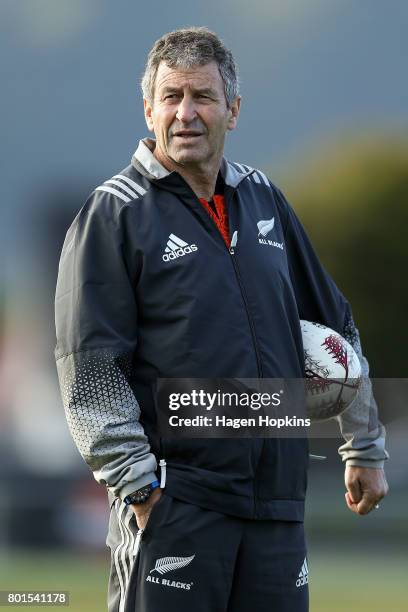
{"x":202,"y":181}
{"x":200,"y":177}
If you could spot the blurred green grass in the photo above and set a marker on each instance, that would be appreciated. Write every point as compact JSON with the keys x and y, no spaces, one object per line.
{"x":355,"y":582}
{"x":84,"y":576}
{"x":343,"y":581}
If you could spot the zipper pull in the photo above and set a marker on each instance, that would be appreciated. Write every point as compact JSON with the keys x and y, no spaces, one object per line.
{"x":234,"y":241}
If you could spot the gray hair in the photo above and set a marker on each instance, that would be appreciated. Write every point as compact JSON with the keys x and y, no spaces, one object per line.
{"x":186,"y":48}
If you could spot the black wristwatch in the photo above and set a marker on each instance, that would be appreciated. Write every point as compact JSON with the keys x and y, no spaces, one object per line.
{"x":141,"y":495}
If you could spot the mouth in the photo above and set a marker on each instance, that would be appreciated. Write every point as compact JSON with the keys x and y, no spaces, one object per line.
{"x":187,"y":135}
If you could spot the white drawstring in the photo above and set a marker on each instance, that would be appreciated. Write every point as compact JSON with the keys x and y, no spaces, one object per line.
{"x":162,"y":464}
{"x":137,"y":542}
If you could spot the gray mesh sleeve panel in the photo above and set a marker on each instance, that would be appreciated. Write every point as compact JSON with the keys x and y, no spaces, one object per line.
{"x":96,"y":327}
{"x":359,"y":424}
{"x":103,"y":418}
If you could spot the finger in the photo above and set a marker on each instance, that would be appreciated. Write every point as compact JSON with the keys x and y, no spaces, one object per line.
{"x":371,"y":497}
{"x":350,"y":504}
{"x":354,"y":489}
{"x":367,"y":504}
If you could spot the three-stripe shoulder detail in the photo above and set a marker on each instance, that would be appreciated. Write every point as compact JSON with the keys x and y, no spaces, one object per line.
{"x":122,"y":187}
{"x":257,"y":176}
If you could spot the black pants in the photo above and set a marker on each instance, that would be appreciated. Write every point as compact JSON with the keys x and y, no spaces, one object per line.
{"x":189,"y":559}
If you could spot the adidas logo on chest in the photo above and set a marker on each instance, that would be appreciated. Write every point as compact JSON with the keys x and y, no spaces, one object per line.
{"x":176,"y":247}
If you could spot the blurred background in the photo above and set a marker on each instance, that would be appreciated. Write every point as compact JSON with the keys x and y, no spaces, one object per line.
{"x":325,"y":115}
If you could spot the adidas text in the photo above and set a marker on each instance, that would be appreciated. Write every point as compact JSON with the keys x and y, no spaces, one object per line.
{"x":302,"y":581}
{"x":180,"y":252}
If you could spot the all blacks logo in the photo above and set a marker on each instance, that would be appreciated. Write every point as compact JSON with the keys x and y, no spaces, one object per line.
{"x":174,"y":254}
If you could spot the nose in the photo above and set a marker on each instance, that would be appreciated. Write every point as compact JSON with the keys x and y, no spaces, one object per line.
{"x":186,"y":111}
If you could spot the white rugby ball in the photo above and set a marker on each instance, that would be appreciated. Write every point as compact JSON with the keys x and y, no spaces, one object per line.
{"x":333,"y":371}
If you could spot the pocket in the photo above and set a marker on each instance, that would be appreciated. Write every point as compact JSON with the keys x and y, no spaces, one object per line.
{"x":153,"y":515}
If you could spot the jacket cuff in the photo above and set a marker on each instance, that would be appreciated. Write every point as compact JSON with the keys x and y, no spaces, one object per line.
{"x":378,"y":463}
{"x":133,"y":486}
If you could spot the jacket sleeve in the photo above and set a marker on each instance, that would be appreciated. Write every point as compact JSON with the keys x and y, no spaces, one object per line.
{"x":319,"y":300}
{"x":360,"y":427}
{"x":96,"y":329}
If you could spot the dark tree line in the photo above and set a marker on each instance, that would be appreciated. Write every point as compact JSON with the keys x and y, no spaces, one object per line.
{"x":354,"y":205}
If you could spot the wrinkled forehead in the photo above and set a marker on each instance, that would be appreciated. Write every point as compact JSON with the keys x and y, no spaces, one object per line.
{"x":197,"y":77}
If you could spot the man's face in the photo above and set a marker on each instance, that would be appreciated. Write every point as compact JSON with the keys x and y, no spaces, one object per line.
{"x":189,"y":115}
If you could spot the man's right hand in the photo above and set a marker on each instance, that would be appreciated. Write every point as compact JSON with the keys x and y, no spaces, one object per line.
{"x":142,"y":511}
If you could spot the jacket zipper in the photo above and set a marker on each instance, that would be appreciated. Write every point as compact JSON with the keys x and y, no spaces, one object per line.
{"x":231,"y":249}
{"x":234,"y":240}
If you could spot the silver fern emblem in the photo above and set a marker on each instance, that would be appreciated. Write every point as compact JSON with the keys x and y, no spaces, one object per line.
{"x":264,"y":227}
{"x":168,"y":564}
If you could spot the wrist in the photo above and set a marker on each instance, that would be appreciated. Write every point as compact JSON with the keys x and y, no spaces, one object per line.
{"x":141,"y":496}
{"x":145,"y":507}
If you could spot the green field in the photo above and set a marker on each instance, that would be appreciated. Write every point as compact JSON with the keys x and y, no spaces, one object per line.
{"x":358,"y":583}
{"x":338,"y":582}
{"x":84,"y":576}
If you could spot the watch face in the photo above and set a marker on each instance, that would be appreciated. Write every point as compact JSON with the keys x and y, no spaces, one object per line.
{"x":139,"y":496}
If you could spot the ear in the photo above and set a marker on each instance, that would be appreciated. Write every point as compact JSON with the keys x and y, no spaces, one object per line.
{"x":234,"y":113}
{"x":148,"y":113}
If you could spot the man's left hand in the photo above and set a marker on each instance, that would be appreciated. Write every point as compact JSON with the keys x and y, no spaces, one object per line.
{"x":365,"y":488}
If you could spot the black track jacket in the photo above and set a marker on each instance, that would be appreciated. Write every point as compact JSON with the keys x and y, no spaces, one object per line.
{"x":147,"y":288}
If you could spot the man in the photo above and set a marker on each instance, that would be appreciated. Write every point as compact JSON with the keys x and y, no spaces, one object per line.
{"x":162,"y":274}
